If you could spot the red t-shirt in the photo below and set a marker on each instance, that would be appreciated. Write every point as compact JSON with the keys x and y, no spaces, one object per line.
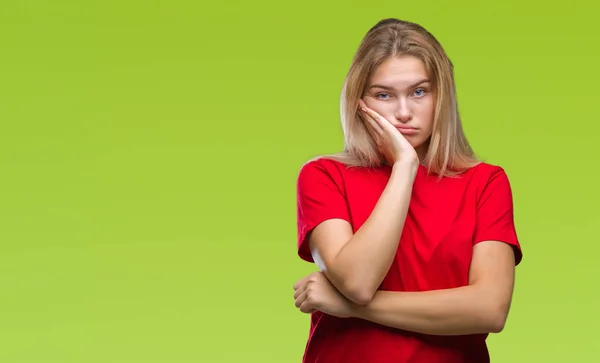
{"x":445,"y":219}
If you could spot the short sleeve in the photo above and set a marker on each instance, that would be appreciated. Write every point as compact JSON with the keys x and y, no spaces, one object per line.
{"x":319,"y":196}
{"x":495,"y":215}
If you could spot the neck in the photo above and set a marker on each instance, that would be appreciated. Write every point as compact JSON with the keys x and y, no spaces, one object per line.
{"x":422,"y":151}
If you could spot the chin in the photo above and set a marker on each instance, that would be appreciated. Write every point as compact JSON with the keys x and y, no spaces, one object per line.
{"x":415,"y":144}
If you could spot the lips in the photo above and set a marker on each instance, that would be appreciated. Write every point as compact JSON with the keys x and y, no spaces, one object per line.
{"x":407,"y":130}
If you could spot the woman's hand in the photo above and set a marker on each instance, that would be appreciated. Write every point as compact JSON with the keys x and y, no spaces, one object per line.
{"x":315,"y":292}
{"x":390,"y":142}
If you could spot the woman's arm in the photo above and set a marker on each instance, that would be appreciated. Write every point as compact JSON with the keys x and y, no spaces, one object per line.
{"x":480,"y":307}
{"x":356,"y":264}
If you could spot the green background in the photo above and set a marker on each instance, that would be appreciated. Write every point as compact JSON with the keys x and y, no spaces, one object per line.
{"x":149,"y":153}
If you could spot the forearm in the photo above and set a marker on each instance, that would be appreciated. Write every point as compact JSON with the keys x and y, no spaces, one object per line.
{"x":459,"y":311}
{"x":365,"y":259}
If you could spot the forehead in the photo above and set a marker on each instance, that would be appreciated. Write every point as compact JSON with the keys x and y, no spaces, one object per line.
{"x":401,"y":70}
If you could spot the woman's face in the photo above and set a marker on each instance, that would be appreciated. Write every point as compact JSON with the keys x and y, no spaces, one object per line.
{"x":400,"y":90}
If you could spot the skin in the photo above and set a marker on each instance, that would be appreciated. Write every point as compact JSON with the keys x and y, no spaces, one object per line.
{"x":353,"y":266}
{"x":405,"y":98}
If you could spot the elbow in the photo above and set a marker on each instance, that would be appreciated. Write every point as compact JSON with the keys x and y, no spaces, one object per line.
{"x":497,"y":319}
{"x":353,"y":290}
{"x":358,"y":290}
{"x":497,"y":325}
{"x":361,"y":298}
{"x":359,"y":295}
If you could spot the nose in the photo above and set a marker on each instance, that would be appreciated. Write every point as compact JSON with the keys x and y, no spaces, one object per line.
{"x":403,"y":113}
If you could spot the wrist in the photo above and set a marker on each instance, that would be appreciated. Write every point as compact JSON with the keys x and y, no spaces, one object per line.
{"x":358,"y":311}
{"x":406,"y":167}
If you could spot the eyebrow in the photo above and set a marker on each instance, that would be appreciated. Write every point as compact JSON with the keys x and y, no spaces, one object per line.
{"x":392,"y":88}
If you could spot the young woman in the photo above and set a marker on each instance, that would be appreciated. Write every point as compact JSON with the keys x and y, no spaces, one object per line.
{"x":413,"y":236}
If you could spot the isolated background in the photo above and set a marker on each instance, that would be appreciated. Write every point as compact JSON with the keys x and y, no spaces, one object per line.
{"x":149,"y":153}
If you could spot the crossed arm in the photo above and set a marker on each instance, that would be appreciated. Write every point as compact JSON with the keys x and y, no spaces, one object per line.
{"x":480,"y":307}
{"x":353,"y":266}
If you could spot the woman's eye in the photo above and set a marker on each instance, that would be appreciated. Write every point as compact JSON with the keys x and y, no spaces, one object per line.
{"x":381,"y":94}
{"x":419,"y":92}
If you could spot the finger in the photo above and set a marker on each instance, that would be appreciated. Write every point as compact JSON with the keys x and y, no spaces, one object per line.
{"x":374,"y":128}
{"x":376,"y":135}
{"x":300,"y":282}
{"x":361,"y":103}
{"x":306,"y":306}
{"x":379,"y":120}
{"x":300,"y":299}
{"x":300,"y":290}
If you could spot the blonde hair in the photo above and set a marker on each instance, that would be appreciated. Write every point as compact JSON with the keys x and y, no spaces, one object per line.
{"x":448,"y":152}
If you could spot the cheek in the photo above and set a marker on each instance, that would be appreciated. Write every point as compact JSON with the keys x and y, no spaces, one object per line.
{"x":427,"y":115}
{"x":380,"y":106}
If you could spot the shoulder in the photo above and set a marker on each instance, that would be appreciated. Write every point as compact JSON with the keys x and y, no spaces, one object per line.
{"x":330,"y":169}
{"x":322,"y":163}
{"x":484,"y":173}
{"x":490,"y":180}
{"x":322,"y":167}
{"x":481,"y":178}
{"x":485,"y":170}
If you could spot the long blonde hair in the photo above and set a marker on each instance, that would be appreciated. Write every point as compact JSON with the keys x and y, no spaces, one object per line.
{"x":448,"y":152}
